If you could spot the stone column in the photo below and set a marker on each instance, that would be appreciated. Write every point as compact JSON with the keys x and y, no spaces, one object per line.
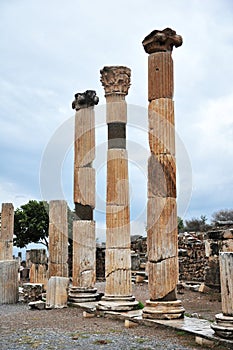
{"x":58,"y":239}
{"x":84,"y":243}
{"x":223,"y":326}
{"x":118,"y":290}
{"x":162,"y":237}
{"x":7,"y":231}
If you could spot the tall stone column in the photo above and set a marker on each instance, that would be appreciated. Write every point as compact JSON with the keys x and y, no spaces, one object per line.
{"x":162,"y":238}
{"x":58,"y":239}
{"x":7,"y":231}
{"x":84,"y":242}
{"x":118,"y":290}
{"x":223,"y":326}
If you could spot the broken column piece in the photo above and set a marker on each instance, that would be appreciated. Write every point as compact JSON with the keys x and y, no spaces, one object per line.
{"x":58,"y":239}
{"x":162,"y":237}
{"x":7,"y":231}
{"x":84,"y":242}
{"x":38,"y":266}
{"x":9,"y":289}
{"x":118,"y":291}
{"x":223,"y":326}
{"x":57,"y":292}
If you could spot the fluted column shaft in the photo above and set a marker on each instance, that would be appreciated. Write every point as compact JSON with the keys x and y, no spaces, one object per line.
{"x":84,"y":243}
{"x":58,"y":239}
{"x":162,"y":239}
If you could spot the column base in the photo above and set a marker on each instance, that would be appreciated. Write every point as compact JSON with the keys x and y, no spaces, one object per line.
{"x":118,"y":303}
{"x":83,"y":295}
{"x":223,"y":326}
{"x":163,"y":310}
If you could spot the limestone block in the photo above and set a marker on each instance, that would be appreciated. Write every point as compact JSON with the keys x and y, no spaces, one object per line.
{"x":84,"y":254}
{"x":9,"y":282}
{"x":118,"y":273}
{"x":161,"y":176}
{"x":57,"y":292}
{"x":226,"y":278}
{"x":162,"y":236}
{"x":118,"y":226}
{"x":117,"y":177}
{"x":84,"y":146}
{"x":116,"y":112}
{"x":160,"y":77}
{"x":7,"y":231}
{"x":84,"y":186}
{"x":162,"y":277}
{"x":58,"y":236}
{"x":161,"y":126}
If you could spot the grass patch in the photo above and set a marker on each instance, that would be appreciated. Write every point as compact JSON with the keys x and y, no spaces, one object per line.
{"x":141,"y":340}
{"x":181,"y":333}
{"x":140,"y":305}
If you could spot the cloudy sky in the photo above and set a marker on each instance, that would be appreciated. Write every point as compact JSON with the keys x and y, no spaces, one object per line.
{"x":52,"y":49}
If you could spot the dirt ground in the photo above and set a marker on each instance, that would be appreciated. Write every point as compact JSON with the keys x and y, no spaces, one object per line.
{"x":21,"y":328}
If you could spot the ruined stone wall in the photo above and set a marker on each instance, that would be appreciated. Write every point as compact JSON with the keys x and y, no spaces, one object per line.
{"x":192,"y":259}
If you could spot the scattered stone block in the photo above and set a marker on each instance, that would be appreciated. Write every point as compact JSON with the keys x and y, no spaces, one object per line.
{"x":130,"y":324}
{"x":203,"y":341}
{"x":204,"y":289}
{"x":88,"y":314}
{"x":39,"y":305}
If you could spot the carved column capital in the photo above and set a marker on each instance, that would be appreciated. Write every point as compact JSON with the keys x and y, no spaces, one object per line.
{"x":115,"y":80}
{"x":161,"y":40}
{"x":85,"y":99}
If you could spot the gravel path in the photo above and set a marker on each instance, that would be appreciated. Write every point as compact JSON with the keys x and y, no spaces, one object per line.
{"x":21,"y":328}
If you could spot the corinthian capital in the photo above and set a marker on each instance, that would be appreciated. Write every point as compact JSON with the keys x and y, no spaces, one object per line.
{"x":85,"y":99}
{"x":161,"y":40}
{"x":115,"y":80}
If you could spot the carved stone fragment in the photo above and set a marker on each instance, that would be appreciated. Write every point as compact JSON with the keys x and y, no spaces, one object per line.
{"x":161,"y":40}
{"x":85,"y":99}
{"x":115,"y":80}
